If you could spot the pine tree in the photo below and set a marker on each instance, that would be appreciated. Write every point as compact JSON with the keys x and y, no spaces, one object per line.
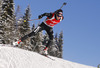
{"x":18,"y":16}
{"x":56,"y":38}
{"x":1,"y":25}
{"x":25,"y":27}
{"x":8,"y":19}
{"x":1,"y":6}
{"x":8,"y":7}
{"x":32,"y":39}
{"x":60,"y":45}
{"x":17,"y":24}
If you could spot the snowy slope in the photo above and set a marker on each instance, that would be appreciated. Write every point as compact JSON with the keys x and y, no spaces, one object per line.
{"x":11,"y":57}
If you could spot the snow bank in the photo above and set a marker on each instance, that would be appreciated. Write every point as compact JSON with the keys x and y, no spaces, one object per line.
{"x":11,"y":57}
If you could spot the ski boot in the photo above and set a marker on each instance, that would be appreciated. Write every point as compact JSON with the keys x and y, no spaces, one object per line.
{"x":45,"y":51}
{"x":16,"y":43}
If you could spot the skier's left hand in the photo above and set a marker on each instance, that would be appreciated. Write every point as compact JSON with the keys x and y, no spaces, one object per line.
{"x":40,"y":16}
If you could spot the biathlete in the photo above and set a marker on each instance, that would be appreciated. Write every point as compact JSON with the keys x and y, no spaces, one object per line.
{"x":47,"y":25}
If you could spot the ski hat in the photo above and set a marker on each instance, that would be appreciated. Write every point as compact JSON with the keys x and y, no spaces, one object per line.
{"x":59,"y":11}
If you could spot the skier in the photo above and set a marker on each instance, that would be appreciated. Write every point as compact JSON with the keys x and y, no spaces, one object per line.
{"x":48,"y":24}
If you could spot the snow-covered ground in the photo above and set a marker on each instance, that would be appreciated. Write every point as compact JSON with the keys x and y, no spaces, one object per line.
{"x":12,"y":57}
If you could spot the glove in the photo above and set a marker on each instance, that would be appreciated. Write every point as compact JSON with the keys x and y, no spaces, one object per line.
{"x":40,"y":16}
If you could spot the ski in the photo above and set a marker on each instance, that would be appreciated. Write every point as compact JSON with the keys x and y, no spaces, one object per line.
{"x":48,"y":57}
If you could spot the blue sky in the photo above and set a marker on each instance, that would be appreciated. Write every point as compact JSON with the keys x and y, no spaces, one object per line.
{"x":81,"y":27}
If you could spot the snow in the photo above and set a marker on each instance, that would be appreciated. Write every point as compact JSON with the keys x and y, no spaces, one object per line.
{"x":13,"y":57}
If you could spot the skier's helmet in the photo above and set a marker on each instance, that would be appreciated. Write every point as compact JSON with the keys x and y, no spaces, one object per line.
{"x":59,"y":11}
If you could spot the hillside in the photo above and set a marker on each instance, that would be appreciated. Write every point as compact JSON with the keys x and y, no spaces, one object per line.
{"x":11,"y":57}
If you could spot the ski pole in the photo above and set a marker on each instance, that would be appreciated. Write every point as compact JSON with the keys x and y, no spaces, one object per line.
{"x":63,"y":5}
{"x":31,"y":20}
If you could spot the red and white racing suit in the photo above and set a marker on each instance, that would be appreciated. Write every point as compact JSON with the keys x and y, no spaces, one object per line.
{"x":52,"y":21}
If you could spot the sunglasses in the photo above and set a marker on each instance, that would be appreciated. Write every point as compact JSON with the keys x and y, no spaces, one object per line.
{"x":59,"y":16}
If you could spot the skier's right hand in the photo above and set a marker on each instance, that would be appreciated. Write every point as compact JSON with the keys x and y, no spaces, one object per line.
{"x":40,"y":16}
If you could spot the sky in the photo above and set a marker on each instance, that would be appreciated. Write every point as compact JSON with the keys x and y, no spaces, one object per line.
{"x":81,"y":26}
